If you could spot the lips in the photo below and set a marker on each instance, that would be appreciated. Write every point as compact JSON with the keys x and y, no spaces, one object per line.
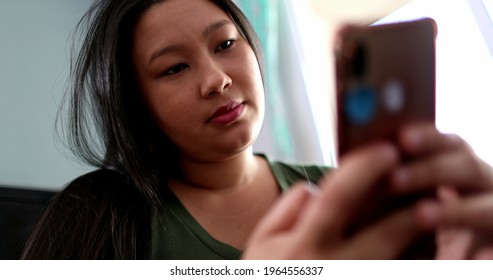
{"x":227,"y":114}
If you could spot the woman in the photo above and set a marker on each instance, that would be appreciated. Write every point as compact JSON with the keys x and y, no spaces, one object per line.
{"x":173,"y":89}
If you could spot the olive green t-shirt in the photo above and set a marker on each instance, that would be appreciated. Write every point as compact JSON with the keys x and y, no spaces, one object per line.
{"x":177,"y":235}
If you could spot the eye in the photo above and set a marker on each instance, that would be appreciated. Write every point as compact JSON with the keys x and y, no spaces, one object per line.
{"x":175,"y":69}
{"x":225,"y":45}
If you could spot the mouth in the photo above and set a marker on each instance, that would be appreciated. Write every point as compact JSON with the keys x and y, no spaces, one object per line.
{"x":225,"y":115}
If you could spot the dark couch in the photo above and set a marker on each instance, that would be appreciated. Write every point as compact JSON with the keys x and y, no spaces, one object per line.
{"x":20,"y":209}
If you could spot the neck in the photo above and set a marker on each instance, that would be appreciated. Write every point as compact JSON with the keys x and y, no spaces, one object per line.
{"x":227,"y":197}
{"x":227,"y":174}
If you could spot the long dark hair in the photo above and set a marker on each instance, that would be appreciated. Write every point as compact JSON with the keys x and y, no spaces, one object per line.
{"x":110,"y":128}
{"x":105,"y":102}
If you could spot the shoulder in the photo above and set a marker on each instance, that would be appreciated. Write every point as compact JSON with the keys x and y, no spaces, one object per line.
{"x":98,"y":178}
{"x":296,"y":172}
{"x":100,"y":188}
{"x":96,"y":182}
{"x":96,"y":216}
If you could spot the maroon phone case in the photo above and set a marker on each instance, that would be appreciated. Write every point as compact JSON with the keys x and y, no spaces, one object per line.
{"x":385,"y":79}
{"x":402,"y":53}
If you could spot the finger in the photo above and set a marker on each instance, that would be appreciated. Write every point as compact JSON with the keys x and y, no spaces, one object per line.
{"x":387,"y":239}
{"x":474,"y":211}
{"x":447,"y":194}
{"x":423,"y":139}
{"x":484,"y":254}
{"x":453,"y":243}
{"x":343,"y":190}
{"x":460,"y":168}
{"x":284,"y":214}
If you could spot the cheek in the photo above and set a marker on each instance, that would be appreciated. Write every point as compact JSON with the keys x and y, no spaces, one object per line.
{"x":169,"y":111}
{"x":254,"y":78}
{"x":169,"y":114}
{"x":258,"y":87}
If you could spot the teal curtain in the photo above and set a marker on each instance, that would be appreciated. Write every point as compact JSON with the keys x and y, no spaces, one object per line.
{"x":264,"y":16}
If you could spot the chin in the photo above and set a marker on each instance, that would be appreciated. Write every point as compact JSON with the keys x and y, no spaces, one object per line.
{"x":239,"y":141}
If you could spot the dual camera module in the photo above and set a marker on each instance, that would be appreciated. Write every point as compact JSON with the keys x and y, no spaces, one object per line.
{"x":363,"y":98}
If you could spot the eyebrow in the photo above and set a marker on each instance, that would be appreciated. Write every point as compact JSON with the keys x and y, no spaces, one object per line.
{"x":175,"y":47}
{"x":214,"y":27}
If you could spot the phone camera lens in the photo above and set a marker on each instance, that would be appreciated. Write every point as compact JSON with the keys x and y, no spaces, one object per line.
{"x":359,"y":60}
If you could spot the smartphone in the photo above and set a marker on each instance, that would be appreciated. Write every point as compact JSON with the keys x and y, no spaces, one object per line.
{"x":385,"y":78}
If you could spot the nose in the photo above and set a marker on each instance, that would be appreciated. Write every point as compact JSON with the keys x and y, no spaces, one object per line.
{"x":215,"y":80}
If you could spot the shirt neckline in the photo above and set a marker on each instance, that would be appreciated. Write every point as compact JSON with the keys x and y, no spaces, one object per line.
{"x":224,"y":250}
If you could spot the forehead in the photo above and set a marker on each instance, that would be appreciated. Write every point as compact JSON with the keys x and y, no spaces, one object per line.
{"x":179,"y":15}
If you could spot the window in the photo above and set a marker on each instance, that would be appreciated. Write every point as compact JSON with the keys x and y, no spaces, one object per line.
{"x":464,"y":67}
{"x":464,"y":62}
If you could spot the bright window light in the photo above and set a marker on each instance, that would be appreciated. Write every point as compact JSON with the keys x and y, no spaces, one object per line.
{"x":316,"y":67}
{"x":489,"y":7}
{"x":464,"y":67}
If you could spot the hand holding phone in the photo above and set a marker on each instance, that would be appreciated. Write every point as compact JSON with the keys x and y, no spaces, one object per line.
{"x":385,"y":77}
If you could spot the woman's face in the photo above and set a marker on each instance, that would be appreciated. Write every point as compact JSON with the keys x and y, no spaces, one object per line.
{"x":199,"y":78}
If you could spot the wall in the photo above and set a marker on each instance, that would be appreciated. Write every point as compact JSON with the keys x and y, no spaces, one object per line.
{"x":34,"y":42}
{"x":35,"y":38}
